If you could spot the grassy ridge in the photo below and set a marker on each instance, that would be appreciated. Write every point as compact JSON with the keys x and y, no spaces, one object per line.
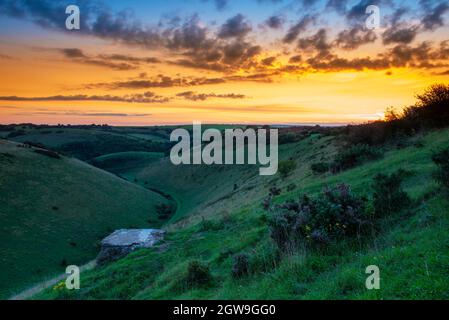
{"x":55,"y":211}
{"x":126,"y":163}
{"x":411,"y":248}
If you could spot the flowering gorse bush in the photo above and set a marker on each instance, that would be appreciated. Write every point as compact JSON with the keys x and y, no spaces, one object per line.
{"x":336,"y":214}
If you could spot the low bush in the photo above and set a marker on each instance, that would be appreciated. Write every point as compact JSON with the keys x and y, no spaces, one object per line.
{"x":275,"y":191}
{"x":197,"y":275}
{"x":336,"y":214}
{"x":266,"y":203}
{"x":388,"y":195}
{"x":286,"y":167}
{"x":240,"y":266}
{"x":164,"y":211}
{"x":320,"y":167}
{"x":441,"y":159}
{"x":355,"y":155}
{"x":211,"y":225}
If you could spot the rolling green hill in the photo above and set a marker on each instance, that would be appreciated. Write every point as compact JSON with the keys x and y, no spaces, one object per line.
{"x":55,"y":211}
{"x":205,"y":190}
{"x":126,"y":163}
{"x":88,"y":142}
{"x":221,"y":215}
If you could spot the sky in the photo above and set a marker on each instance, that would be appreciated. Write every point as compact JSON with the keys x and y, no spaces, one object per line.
{"x":135,"y":62}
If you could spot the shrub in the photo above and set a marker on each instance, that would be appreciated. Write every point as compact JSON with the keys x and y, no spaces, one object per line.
{"x":266,"y":203}
{"x":240,"y":266}
{"x":289,"y":137}
{"x":320,"y":167}
{"x":388,"y":196}
{"x":336,"y":214}
{"x":431,"y":109}
{"x":211,"y":225}
{"x":164,"y":211}
{"x":275,"y":191}
{"x":354,"y":156}
{"x":198,"y":274}
{"x":291,"y":187}
{"x":286,"y":167}
{"x":441,"y":159}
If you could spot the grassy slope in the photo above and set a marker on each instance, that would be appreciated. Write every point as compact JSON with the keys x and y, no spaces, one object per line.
{"x":54,"y":210}
{"x":126,"y":163}
{"x":205,"y":190}
{"x":412,"y":250}
{"x":87,"y":143}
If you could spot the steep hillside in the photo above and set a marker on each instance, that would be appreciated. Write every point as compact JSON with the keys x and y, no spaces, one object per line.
{"x":203,"y":190}
{"x":410,"y":247}
{"x":126,"y":163}
{"x":54,"y":212}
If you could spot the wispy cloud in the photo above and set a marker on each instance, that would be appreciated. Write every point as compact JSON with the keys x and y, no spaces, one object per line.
{"x":147,"y":97}
{"x":193,"y":96}
{"x":112,"y":61}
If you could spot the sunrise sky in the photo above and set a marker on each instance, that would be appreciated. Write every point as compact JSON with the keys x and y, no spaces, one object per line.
{"x":136,"y":62}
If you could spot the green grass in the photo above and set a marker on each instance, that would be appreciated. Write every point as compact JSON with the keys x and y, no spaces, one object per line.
{"x":86,"y":143}
{"x":126,"y":163}
{"x":56,"y":211}
{"x":411,"y":248}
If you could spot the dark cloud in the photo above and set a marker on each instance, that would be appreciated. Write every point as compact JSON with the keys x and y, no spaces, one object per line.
{"x":112,"y":61}
{"x":235,"y":27}
{"x":97,"y":20}
{"x":162,"y":81}
{"x":317,"y":42}
{"x":268,"y":61}
{"x":190,"y":36}
{"x":434,"y":18}
{"x":444,"y":73}
{"x":147,"y":97}
{"x":159,"y":81}
{"x":354,"y":38}
{"x":400,"y":34}
{"x":421,"y":56}
{"x":73,"y":53}
{"x":193,"y":96}
{"x":77,"y":55}
{"x":356,"y":15}
{"x":127,"y":58}
{"x":296,"y":59}
{"x":191,"y":43}
{"x":298,"y":28}
{"x":398,"y":15}
{"x":275,"y":22}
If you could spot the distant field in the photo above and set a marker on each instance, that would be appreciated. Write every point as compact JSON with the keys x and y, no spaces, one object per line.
{"x":86,"y":143}
{"x":54,"y":212}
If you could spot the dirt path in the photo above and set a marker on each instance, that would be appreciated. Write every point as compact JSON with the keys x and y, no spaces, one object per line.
{"x":24,"y":295}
